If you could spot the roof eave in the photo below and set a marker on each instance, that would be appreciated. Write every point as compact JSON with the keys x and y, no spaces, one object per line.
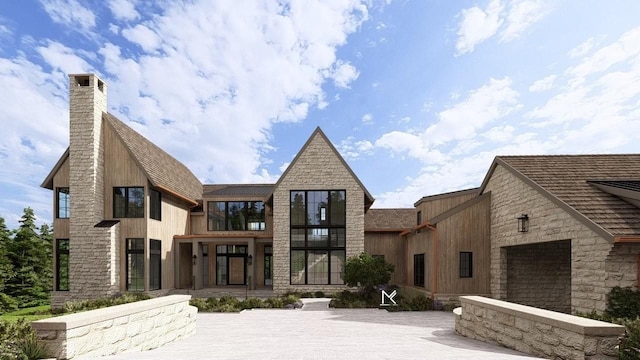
{"x":48,"y":181}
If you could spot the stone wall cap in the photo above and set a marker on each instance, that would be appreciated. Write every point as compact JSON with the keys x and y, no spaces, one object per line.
{"x":573,"y":323}
{"x":72,"y":321}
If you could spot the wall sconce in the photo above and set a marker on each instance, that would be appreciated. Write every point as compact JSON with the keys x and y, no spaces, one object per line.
{"x":250,"y":260}
{"x":195,"y":258}
{"x":523,"y":223}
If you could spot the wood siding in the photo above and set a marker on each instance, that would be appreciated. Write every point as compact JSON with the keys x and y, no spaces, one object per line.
{"x":60,"y":179}
{"x":392,"y":247}
{"x":435,"y":207}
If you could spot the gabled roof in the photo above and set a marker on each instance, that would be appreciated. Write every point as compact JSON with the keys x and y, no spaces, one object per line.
{"x":564,"y":179}
{"x":162,"y":170}
{"x":389,"y":220}
{"x":368,"y":199}
{"x":238,"y":190}
{"x":472,"y":191}
{"x":48,"y":181}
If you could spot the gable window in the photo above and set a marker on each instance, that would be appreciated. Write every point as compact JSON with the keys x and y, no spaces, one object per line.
{"x":317,"y":237}
{"x":418,"y":270}
{"x":155,"y":204}
{"x":466,"y":264}
{"x":155,"y":265}
{"x":235,"y":216}
{"x":135,"y":265}
{"x":128,"y":202}
{"x":63,"y":206}
{"x":419,"y":218}
{"x":62,"y":264}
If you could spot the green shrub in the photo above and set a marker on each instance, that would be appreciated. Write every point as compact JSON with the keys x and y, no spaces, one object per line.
{"x":274,"y":303}
{"x":420,"y":303}
{"x":318,"y":294}
{"x":623,"y":303}
{"x":629,"y":346}
{"x":7,"y":303}
{"x":251,"y":303}
{"x":200,"y":303}
{"x":367,"y":272}
{"x":32,"y":347}
{"x":84,"y":305}
{"x":290,"y":299}
{"x":18,"y":341}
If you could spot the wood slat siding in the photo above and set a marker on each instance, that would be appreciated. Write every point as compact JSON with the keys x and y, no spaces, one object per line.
{"x":391,"y":245}
{"x":174,"y":218}
{"x":60,"y":179}
{"x":198,"y":223}
{"x":418,"y":244}
{"x":433,"y":208}
{"x":468,"y":230}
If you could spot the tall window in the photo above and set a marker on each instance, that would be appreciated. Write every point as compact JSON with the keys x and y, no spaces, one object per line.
{"x":155,"y":204}
{"x":135,"y":264}
{"x":318,"y":237}
{"x":466,"y":264}
{"x":418,"y":270}
{"x":419,"y":218}
{"x":155,"y":265}
{"x":63,"y":205}
{"x":128,"y":202}
{"x":235,"y":215}
{"x":62,"y":264}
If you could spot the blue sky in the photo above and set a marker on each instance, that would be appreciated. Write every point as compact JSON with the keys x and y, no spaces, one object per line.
{"x":418,"y":96}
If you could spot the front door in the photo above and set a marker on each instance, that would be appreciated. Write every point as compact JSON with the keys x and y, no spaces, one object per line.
{"x":237,"y":266}
{"x":231,"y":265}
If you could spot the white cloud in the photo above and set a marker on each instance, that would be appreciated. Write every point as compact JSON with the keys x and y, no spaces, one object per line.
{"x":367,"y":118}
{"x":70,"y":13}
{"x":143,"y":36}
{"x":478,"y":25}
{"x":343,"y":74}
{"x":351,"y":149}
{"x":582,"y":49}
{"x":64,"y":58}
{"x":123,"y":9}
{"x":543,"y":84}
{"x":521,"y":15}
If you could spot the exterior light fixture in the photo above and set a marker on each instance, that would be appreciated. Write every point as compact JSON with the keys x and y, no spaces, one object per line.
{"x":250,"y":258}
{"x":523,"y":223}
{"x":195,"y":258}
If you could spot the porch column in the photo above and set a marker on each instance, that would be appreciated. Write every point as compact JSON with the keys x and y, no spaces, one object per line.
{"x":197,"y":265}
{"x":251,"y":269}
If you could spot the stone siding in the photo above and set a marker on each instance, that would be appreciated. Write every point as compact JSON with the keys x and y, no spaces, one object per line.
{"x":138,"y":326}
{"x":596,"y":265}
{"x":535,"y":331}
{"x":93,"y":252}
{"x":317,"y":167}
{"x":539,"y":275}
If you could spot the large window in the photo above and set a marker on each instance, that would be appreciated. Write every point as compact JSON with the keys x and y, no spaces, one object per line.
{"x":236,"y":215}
{"x":418,"y":270}
{"x":135,"y":265}
{"x":128,"y":202}
{"x":155,"y":265}
{"x":318,"y":237}
{"x":155,"y":204}
{"x":63,"y":206}
{"x":466,"y":264}
{"x":62,"y":264}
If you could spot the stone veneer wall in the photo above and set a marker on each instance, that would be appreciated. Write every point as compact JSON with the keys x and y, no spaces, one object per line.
{"x":539,"y":275}
{"x":316,"y":168}
{"x":596,"y":265}
{"x":93,"y":252}
{"x":142,"y":325}
{"x":535,"y":331}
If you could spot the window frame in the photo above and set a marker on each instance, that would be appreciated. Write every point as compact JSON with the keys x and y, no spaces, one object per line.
{"x":67,"y":202}
{"x":127,"y":212}
{"x":60,"y":251}
{"x":155,"y":206}
{"x":155,"y":253}
{"x":249,"y":216}
{"x":465,"y":262}
{"x":418,"y":271}
{"x":130,"y":252}
{"x":332,"y":219}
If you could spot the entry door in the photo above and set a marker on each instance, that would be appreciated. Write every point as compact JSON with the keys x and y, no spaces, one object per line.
{"x":237,"y":268}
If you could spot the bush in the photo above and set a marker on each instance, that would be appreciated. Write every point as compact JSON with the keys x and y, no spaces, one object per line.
{"x":623,"y":303}
{"x":7,"y":303}
{"x":18,"y":341}
{"x":318,"y":294}
{"x":367,"y":272}
{"x":274,"y":303}
{"x":77,"y":306}
{"x":252,"y":303}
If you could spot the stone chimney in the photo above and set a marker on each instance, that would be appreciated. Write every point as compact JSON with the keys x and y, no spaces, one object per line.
{"x":93,"y":251}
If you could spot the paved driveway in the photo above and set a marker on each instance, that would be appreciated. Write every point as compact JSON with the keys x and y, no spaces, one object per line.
{"x":320,"y":333}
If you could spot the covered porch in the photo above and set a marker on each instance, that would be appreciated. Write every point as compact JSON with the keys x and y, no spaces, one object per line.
{"x":223,"y":265}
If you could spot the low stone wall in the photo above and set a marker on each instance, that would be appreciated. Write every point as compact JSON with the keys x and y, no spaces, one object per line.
{"x":536,"y":331}
{"x":141,"y":325}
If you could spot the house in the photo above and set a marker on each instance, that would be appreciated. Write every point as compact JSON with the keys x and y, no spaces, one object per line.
{"x":556,"y":232}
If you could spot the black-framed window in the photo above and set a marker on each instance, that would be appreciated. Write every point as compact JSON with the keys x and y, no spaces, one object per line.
{"x":62,"y":264}
{"x":466,"y":264}
{"x":418,"y":270}
{"x":63,"y":204}
{"x":317,"y":237}
{"x":236,"y":216}
{"x":419,"y":218}
{"x":155,"y":264}
{"x":135,"y":265}
{"x":155,"y":204}
{"x":128,"y":202}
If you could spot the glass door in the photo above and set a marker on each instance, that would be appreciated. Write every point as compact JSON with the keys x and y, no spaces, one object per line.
{"x":268,"y":265}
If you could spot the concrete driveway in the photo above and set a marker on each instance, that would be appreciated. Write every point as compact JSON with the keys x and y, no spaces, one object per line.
{"x":316,"y":332}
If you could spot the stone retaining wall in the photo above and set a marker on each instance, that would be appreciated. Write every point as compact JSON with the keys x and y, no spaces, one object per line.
{"x":536,"y":331}
{"x":142,"y":325}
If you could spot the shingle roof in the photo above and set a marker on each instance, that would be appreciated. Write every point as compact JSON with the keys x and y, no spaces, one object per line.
{"x":389,"y":219}
{"x":565,"y":178}
{"x":239,"y":190}
{"x":162,"y":169}
{"x":620,"y":184}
